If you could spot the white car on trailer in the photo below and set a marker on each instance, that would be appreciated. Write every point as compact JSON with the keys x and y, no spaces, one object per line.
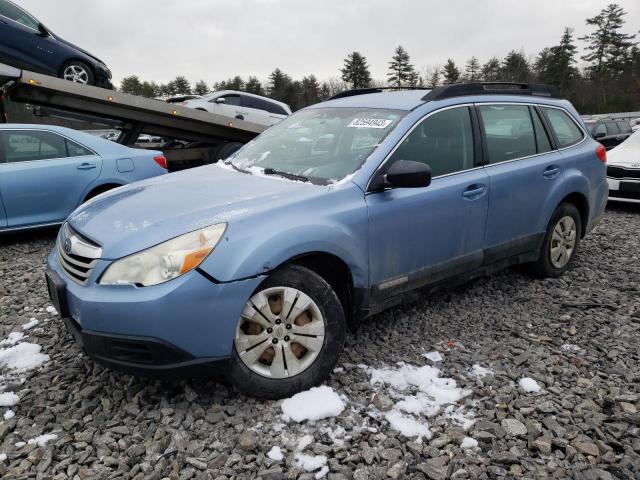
{"x":623,"y":170}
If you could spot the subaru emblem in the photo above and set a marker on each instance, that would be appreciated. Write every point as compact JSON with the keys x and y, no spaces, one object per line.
{"x":67,"y":245}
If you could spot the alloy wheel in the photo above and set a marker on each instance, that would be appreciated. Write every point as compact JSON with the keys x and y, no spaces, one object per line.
{"x":563,"y":241}
{"x":280,"y":333}
{"x":76,"y":73}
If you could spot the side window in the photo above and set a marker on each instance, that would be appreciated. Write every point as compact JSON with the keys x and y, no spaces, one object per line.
{"x":600,"y":129}
{"x":275,"y":108}
{"x":75,"y":150}
{"x":542,"y":139}
{"x":444,"y":141}
{"x":612,"y":128}
{"x":25,"y":146}
{"x":508,"y":131}
{"x":250,"y":102}
{"x":625,"y":127}
{"x":231,"y":99}
{"x":17,"y":15}
{"x":565,"y":128}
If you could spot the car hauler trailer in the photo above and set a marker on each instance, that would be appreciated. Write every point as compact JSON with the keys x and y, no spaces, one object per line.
{"x":193,"y":137}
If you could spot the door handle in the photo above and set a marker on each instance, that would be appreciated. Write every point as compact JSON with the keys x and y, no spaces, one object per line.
{"x":474,"y":191}
{"x":86,"y":166}
{"x":240,"y":117}
{"x":551,"y":172}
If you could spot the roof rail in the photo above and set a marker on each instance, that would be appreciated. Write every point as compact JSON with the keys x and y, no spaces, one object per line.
{"x":491,"y":88}
{"x":364,"y":91}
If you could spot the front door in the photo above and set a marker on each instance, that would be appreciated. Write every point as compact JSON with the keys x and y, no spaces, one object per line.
{"x":420,"y":236}
{"x":43,"y":176}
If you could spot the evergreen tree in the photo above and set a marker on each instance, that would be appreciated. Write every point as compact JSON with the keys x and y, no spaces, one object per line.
{"x":401,"y":71}
{"x":150,"y":89}
{"x":280,"y":85}
{"x":491,"y":70}
{"x":131,"y":85}
{"x":236,"y":83}
{"x":325,"y":91}
{"x":254,"y":86}
{"x":310,"y":91}
{"x":201,"y":88}
{"x":450,"y":72}
{"x":180,"y":86}
{"x":515,"y":67}
{"x":472,"y":69}
{"x":555,"y":65}
{"x":356,"y":70}
{"x":608,"y":47}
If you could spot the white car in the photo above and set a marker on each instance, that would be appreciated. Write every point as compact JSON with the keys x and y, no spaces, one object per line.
{"x":623,"y":170}
{"x":242,"y":106}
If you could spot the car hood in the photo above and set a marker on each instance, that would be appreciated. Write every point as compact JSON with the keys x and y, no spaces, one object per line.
{"x":138,"y":216}
{"x":627,"y":154}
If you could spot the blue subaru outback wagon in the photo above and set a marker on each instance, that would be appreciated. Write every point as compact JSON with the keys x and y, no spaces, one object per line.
{"x":344,"y":209}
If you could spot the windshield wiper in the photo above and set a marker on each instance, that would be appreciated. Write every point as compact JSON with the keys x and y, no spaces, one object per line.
{"x":290,"y":176}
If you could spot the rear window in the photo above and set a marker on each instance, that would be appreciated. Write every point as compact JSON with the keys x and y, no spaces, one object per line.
{"x":564,"y":127}
{"x":508,"y":131}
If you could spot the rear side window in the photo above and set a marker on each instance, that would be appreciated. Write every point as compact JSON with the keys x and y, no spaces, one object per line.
{"x":25,"y":146}
{"x":508,"y":132}
{"x":612,"y":128}
{"x":600,"y":129}
{"x":444,"y":141}
{"x":275,"y":108}
{"x":624,"y":127}
{"x":564,"y":127}
{"x":75,"y":150}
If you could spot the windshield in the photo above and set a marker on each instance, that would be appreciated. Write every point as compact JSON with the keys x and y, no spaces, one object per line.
{"x":319,"y":145}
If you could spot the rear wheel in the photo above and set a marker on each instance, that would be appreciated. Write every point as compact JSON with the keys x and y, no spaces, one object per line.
{"x":78,"y":72}
{"x":561,"y":242}
{"x":289,"y":335}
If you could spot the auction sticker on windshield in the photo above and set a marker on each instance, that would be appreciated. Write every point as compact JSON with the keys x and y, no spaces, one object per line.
{"x":369,"y":123}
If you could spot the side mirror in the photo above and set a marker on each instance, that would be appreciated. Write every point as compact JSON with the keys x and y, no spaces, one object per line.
{"x":42,"y":30}
{"x":221,"y":100}
{"x":404,"y":174}
{"x":600,"y":135}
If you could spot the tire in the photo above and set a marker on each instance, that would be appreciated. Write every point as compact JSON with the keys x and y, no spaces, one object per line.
{"x":224,"y":151}
{"x":250,"y":371}
{"x":78,"y":72}
{"x":548,"y":264}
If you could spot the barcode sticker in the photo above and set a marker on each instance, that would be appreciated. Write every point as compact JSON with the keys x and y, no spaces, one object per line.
{"x":369,"y":123}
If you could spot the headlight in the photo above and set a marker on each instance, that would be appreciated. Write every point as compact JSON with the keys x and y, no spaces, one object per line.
{"x":165,"y":261}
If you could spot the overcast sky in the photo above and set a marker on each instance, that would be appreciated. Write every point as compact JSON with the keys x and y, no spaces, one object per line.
{"x":215,"y":39}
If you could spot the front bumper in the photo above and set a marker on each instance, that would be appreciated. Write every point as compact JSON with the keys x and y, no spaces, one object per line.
{"x":184,"y":327}
{"x":624,"y":190}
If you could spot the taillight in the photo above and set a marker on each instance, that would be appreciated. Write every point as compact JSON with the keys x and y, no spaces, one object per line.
{"x":601,"y":152}
{"x":160,"y":160}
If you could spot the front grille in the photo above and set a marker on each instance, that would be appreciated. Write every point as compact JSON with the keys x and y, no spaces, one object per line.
{"x":621,"y":172}
{"x":80,"y":256}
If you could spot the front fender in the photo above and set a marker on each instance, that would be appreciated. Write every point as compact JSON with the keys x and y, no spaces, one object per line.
{"x":335,"y":224}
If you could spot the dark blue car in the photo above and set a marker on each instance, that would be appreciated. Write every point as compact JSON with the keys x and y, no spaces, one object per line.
{"x":27,"y":43}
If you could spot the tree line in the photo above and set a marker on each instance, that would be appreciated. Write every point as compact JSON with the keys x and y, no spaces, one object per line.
{"x":608,"y":80}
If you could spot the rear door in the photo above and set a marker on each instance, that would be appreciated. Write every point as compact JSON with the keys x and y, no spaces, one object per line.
{"x":44,"y":176}
{"x":523,"y":169}
{"x":253,"y":110}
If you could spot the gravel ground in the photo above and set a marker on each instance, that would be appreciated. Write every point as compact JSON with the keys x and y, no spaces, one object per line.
{"x":577,"y":337}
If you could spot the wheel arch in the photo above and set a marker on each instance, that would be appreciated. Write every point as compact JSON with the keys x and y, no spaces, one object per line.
{"x":580,"y":201}
{"x":76,"y":59}
{"x":94,"y":190}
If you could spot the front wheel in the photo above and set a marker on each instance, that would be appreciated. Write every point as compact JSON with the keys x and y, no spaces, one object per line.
{"x":561,"y":242}
{"x":289,"y":336}
{"x":78,"y":72}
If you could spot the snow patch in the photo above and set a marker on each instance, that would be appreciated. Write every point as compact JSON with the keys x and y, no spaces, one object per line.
{"x":22,"y":356}
{"x":3,"y":457}
{"x":321,"y":473}
{"x":570,"y":347}
{"x":20,"y":444}
{"x":480,"y":372}
{"x":408,"y":425}
{"x":433,"y":356}
{"x":9,"y":414}
{"x":52,"y":310}
{"x":469,"y":443}
{"x":309,"y":463}
{"x":314,"y":404}
{"x":275,"y":453}
{"x":529,"y":385}
{"x":8,"y":399}
{"x":42,"y":440}
{"x":12,"y":339}
{"x":30,"y":324}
